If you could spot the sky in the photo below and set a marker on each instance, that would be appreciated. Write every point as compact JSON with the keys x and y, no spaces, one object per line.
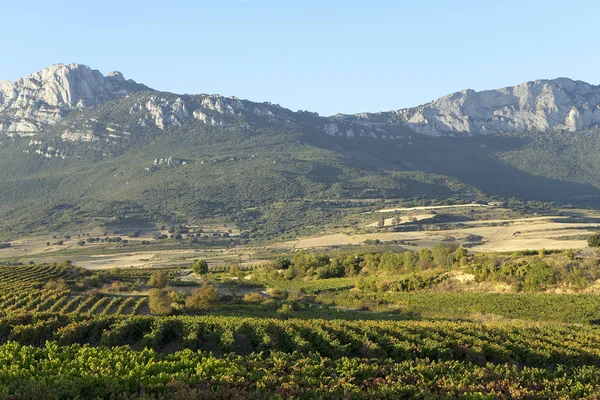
{"x":327,"y":56}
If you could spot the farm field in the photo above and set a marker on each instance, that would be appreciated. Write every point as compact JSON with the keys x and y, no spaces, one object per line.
{"x":474,"y":226}
{"x":548,"y":232}
{"x":231,"y":356}
{"x":467,"y":301}
{"x":371,"y":321}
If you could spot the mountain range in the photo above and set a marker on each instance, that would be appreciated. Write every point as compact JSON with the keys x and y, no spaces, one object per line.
{"x":76,"y":145}
{"x":31,"y":104}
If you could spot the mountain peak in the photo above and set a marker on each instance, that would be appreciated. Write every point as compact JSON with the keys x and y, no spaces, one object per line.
{"x":42,"y":98}
{"x":116,"y":75}
{"x":540,"y":105}
{"x":30,"y":104}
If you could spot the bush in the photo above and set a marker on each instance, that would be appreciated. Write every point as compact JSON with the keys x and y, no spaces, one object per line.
{"x":277,"y":293}
{"x":202,"y":298}
{"x":59,"y":285}
{"x":282,"y":263}
{"x":94,"y":281}
{"x":200,"y":267}
{"x":594,"y":240}
{"x":160,"y":302}
{"x":539,"y":275}
{"x":254,"y":297}
{"x":158,"y":279}
{"x":178,"y":299}
{"x":285,"y":309}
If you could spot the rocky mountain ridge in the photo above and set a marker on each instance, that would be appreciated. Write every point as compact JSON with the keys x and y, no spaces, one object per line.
{"x":29,"y":105}
{"x":541,"y":105}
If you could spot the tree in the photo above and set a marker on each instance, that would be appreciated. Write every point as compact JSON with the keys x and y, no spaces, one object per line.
{"x":460,"y":253}
{"x":235,"y":287}
{"x":160,"y":302}
{"x":200,"y":267}
{"x":352,"y":266}
{"x":202,"y":298}
{"x":425,"y":259}
{"x":594,"y":240}
{"x":538,"y":276}
{"x":158,"y":279}
{"x":178,"y":299}
{"x":441,"y":253}
{"x":282,"y":263}
{"x":541,"y":253}
{"x":95,"y":281}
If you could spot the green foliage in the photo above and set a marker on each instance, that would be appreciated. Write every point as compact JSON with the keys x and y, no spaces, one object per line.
{"x":594,"y":240}
{"x":160,"y":302}
{"x":538,"y":275}
{"x":282,"y":263}
{"x":360,"y":359}
{"x":202,"y":298}
{"x":158,"y":279}
{"x":95,"y":281}
{"x":535,"y":273}
{"x":200,"y":267}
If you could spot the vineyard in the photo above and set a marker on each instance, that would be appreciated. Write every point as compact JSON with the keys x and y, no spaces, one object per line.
{"x":516,"y":343}
{"x":63,"y":334}
{"x":23,"y":289}
{"x":269,"y":358}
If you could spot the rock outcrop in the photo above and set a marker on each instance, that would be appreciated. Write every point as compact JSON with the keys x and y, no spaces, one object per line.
{"x":541,"y":105}
{"x":161,"y":112}
{"x":30,"y":104}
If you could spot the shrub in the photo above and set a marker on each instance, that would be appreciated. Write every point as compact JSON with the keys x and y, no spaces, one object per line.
{"x":178,"y":299}
{"x":254,"y":297}
{"x":200,"y":267}
{"x":594,"y":240}
{"x":285,"y":309}
{"x":158,"y":279}
{"x":277,"y":293}
{"x":282,"y":263}
{"x":538,"y":276}
{"x":94,"y":281}
{"x":202,"y":298}
{"x":160,"y":302}
{"x":59,"y":285}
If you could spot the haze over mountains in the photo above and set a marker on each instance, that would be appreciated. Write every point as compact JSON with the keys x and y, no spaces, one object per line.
{"x":76,"y":145}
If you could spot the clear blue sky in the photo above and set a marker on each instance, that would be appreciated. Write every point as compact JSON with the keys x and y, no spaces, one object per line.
{"x":327,"y":56}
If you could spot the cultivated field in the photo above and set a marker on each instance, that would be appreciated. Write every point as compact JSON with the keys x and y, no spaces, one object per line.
{"x":480,"y":228}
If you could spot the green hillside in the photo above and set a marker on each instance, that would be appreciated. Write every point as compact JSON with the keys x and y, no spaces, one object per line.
{"x":278,"y":170}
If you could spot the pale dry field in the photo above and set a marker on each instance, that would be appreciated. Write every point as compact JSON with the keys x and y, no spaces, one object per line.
{"x":496,"y":235}
{"x":507,"y":235}
{"x":405,"y":219}
{"x":431,"y":207}
{"x":160,"y":258}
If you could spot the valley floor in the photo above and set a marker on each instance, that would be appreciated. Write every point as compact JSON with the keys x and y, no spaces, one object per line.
{"x":476,"y":227}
